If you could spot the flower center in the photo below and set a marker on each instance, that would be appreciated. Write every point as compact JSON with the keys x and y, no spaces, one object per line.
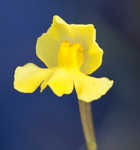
{"x":70,"y":55}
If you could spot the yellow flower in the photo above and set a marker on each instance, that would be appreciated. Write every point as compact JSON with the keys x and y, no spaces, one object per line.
{"x":71,"y":53}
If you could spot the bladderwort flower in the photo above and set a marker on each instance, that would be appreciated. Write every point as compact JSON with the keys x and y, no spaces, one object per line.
{"x":70,"y":53}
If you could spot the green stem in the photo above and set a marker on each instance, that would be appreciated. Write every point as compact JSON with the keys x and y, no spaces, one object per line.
{"x":87,"y":123}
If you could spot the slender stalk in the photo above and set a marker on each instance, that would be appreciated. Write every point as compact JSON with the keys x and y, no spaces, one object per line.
{"x":87,"y":123}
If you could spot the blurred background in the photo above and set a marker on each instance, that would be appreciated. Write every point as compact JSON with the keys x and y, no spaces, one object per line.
{"x":45,"y":122}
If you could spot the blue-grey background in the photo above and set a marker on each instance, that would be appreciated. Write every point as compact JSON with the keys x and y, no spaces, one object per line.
{"x":45,"y":122}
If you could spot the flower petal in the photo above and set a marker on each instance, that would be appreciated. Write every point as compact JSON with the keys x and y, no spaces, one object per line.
{"x":48,"y":43}
{"x":28,"y":77}
{"x":83,"y":34}
{"x":61,"y":82}
{"x":93,"y":59}
{"x":89,"y":89}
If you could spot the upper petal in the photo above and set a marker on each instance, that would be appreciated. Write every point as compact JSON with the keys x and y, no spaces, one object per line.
{"x":28,"y":77}
{"x":89,"y":89}
{"x":83,"y":34}
{"x":93,"y":59}
{"x":49,"y":43}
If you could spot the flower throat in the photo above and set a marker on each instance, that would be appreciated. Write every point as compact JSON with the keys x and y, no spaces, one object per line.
{"x":70,"y":56}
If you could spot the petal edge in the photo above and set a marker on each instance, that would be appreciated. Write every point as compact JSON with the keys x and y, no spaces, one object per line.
{"x":89,"y":88}
{"x":27,"y":78}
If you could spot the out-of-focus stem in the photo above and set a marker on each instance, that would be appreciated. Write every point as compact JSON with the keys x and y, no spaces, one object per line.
{"x":87,"y":123}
